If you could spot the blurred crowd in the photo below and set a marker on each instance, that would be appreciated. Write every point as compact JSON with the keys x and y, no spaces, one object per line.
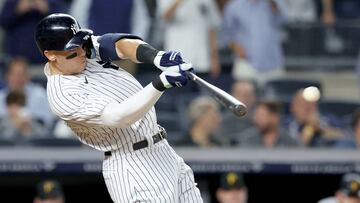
{"x":235,"y":44}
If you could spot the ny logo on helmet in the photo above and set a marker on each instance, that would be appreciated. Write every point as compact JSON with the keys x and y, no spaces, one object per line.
{"x":74,"y":28}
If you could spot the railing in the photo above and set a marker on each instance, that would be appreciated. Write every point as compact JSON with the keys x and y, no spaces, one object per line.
{"x":283,"y":161}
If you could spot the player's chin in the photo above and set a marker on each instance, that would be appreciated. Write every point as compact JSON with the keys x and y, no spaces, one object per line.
{"x":83,"y":65}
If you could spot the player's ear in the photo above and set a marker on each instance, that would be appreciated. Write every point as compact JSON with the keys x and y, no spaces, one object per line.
{"x":50,"y":55}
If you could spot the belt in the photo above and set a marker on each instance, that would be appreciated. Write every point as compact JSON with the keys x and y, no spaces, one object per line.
{"x":144,"y":143}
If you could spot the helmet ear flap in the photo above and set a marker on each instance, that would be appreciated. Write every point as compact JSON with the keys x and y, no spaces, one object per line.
{"x":89,"y":49}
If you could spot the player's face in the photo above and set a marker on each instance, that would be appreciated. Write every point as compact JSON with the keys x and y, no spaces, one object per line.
{"x":71,"y":61}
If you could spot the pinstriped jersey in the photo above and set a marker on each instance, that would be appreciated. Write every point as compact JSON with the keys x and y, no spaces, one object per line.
{"x":80,"y":98}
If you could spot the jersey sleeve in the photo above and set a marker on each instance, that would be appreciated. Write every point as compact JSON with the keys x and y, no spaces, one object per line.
{"x":82,"y":107}
{"x":105,"y":45}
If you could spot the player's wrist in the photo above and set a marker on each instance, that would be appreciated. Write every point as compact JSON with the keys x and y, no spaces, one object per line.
{"x":146,"y":53}
{"x":159,"y":84}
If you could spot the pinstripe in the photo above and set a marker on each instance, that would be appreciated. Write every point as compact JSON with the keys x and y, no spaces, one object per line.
{"x":163,"y":155}
{"x":148,"y":181}
{"x":158,"y":164}
{"x":165,"y":178}
{"x":117,"y":186}
{"x":159,"y":180}
{"x":144,"y":184}
{"x":123,"y":195}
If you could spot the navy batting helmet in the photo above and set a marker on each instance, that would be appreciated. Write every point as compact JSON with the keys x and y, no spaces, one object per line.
{"x":60,"y":32}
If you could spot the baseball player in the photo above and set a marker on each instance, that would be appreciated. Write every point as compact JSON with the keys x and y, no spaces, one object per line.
{"x":110,"y":111}
{"x":348,"y":192}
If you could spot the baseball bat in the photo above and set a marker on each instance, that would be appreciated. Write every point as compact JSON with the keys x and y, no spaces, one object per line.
{"x":225,"y":99}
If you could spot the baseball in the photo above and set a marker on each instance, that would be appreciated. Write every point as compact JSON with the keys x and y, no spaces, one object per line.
{"x":311,"y":94}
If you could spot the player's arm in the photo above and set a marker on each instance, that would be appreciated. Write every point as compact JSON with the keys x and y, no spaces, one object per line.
{"x":115,"y":46}
{"x":135,"y":107}
{"x":139,"y":51}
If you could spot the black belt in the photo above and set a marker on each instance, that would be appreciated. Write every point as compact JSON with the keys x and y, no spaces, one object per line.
{"x":144,"y":143}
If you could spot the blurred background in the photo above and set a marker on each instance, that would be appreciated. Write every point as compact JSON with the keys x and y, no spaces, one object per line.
{"x":294,"y":63}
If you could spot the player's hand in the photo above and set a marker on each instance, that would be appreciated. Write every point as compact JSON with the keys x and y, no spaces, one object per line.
{"x":164,"y":60}
{"x":174,"y":76}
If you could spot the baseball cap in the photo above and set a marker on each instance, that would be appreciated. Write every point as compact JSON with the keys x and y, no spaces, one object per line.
{"x":231,"y":180}
{"x":350,"y":185}
{"x":49,"y":189}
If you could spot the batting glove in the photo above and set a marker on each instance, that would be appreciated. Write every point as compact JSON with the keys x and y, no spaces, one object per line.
{"x":174,"y":76}
{"x":164,"y":60}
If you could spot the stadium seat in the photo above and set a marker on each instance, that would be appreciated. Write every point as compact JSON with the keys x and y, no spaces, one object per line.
{"x":167,"y":102}
{"x":284,"y":89}
{"x":53,"y":142}
{"x":170,"y":121}
{"x":339,"y":109}
{"x":41,"y":80}
{"x":173,"y":137}
{"x":5,"y":143}
{"x":146,"y":78}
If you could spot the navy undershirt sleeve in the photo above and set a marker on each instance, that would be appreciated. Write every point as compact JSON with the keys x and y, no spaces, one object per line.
{"x":107,"y":42}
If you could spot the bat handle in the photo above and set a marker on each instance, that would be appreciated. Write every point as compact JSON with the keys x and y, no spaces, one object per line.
{"x":191,"y":75}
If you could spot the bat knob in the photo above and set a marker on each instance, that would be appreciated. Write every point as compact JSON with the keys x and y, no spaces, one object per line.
{"x":239,"y":110}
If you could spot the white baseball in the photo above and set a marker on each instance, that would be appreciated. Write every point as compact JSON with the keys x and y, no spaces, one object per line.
{"x":311,"y":94}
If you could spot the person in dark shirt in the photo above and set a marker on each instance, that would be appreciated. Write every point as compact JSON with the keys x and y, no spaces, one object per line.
{"x":268,"y":132}
{"x":18,"y":18}
{"x":204,"y":118}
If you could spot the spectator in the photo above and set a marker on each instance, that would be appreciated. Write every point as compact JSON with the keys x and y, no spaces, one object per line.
{"x":232,"y":125}
{"x":232,"y":189}
{"x":328,"y":16}
{"x":303,"y":11}
{"x":49,"y":191}
{"x":267,"y":132}
{"x":18,"y":126}
{"x":253,"y":30}
{"x":131,"y":17}
{"x":19,"y":18}
{"x":17,"y":78}
{"x":348,"y":192}
{"x":351,"y":142}
{"x":308,"y":127}
{"x":341,"y":9}
{"x":191,"y":27}
{"x":94,"y":14}
{"x":204,"y":119}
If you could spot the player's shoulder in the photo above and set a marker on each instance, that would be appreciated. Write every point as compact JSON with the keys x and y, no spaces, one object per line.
{"x":65,"y":83}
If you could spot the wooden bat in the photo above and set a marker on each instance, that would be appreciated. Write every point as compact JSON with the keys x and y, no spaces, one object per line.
{"x":225,"y":99}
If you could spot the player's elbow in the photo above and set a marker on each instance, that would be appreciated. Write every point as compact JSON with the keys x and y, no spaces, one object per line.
{"x":116,"y":123}
{"x":112,"y":120}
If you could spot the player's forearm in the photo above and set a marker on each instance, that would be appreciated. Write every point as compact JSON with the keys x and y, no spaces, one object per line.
{"x":127,"y":48}
{"x":136,"y":50}
{"x":132,"y":109}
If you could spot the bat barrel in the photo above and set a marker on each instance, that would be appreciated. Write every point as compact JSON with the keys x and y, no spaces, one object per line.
{"x":228,"y":101}
{"x":239,"y":110}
